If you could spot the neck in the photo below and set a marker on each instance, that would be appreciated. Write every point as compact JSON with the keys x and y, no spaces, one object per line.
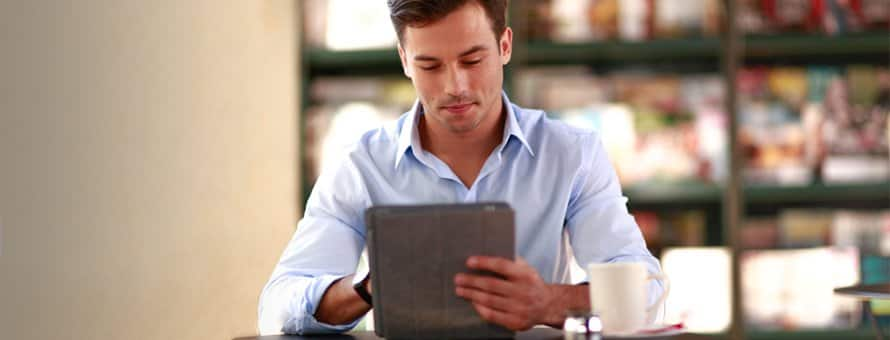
{"x":479,"y":142}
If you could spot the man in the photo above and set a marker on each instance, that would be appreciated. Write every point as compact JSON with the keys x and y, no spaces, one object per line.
{"x":462,"y":142}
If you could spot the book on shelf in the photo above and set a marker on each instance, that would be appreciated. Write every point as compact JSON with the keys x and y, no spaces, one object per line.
{"x":867,"y":230}
{"x":856,"y":109}
{"x":759,"y":233}
{"x":799,"y":124}
{"x":586,"y":20}
{"x":800,"y":228}
{"x":830,"y":17}
{"x":805,"y":125}
{"x":664,"y":229}
{"x":331,"y":130}
{"x":347,"y":24}
{"x":342,"y":109}
{"x":794,"y":288}
{"x":655,"y":127}
{"x":793,"y":15}
{"x":700,"y":288}
{"x":876,"y":269}
{"x":575,"y":21}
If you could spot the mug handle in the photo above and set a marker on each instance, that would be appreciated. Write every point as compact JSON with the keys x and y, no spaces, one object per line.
{"x":667,"y":289}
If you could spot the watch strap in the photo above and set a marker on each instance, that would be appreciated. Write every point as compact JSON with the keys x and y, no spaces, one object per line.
{"x":362,"y":291}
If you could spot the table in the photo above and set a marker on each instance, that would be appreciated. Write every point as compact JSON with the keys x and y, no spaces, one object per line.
{"x":532,"y":334}
{"x":866,"y":293}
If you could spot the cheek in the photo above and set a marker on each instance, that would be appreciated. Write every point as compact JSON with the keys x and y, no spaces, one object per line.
{"x":488,"y":79}
{"x":426,"y":85}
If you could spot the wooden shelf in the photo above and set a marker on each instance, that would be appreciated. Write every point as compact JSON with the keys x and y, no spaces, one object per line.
{"x":818,"y":193}
{"x":673,"y":194}
{"x":542,"y":53}
{"x":384,"y":59}
{"x":872,"y":43}
{"x":700,"y":193}
{"x":846,"y":334}
{"x":876,"y":44}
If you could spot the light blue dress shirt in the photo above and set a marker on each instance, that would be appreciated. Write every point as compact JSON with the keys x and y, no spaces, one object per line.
{"x":557,"y":178}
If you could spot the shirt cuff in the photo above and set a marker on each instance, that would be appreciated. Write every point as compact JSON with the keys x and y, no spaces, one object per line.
{"x":304,"y":310}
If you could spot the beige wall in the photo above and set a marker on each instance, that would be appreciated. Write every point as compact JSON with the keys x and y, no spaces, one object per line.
{"x":147,"y":165}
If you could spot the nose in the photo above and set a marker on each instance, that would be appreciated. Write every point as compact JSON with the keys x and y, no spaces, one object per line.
{"x":456,"y":82}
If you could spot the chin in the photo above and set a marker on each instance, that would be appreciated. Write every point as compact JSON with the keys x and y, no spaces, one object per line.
{"x":463,"y":127}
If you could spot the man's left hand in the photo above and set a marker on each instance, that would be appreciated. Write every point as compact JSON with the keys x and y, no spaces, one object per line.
{"x":518,"y":302}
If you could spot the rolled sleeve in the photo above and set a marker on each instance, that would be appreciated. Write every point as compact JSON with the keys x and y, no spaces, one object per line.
{"x":292,"y":296}
{"x":326,"y":247}
{"x":303,"y":309}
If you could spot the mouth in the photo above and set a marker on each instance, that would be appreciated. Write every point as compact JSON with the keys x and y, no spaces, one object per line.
{"x":458,"y":108}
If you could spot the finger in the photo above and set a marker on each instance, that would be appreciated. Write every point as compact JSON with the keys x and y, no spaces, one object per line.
{"x":509,"y":321}
{"x":497,"y":265}
{"x":521,"y":261}
{"x":489,"y":300}
{"x":484,"y":283}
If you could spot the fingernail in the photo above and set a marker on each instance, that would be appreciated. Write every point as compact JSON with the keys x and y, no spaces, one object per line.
{"x":459,"y":279}
{"x":472,"y":261}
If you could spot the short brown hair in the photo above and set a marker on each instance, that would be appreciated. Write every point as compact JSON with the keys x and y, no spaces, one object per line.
{"x":418,"y":13}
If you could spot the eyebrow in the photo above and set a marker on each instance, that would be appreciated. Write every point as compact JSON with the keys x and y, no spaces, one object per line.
{"x":472,"y":50}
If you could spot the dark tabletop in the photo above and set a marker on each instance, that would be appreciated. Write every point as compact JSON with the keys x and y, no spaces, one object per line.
{"x":533,"y":334}
{"x":875,"y":291}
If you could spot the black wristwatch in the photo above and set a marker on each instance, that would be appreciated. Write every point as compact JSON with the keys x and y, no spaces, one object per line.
{"x":362,"y":291}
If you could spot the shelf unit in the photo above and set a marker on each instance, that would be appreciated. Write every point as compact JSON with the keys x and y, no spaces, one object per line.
{"x":708,"y":52}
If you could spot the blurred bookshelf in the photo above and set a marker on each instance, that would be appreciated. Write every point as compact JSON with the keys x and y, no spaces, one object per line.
{"x":807,"y":192}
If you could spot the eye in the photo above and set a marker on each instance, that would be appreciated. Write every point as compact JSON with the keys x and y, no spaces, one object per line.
{"x":429,"y":68}
{"x":472,"y":62}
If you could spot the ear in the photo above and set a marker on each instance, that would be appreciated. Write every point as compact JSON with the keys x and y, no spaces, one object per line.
{"x":404,"y":60}
{"x":506,"y":45}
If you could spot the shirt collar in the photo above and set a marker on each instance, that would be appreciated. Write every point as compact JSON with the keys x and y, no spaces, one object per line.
{"x":512,"y":127}
{"x":409,"y":136}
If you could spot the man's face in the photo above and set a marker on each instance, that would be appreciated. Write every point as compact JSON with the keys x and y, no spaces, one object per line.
{"x":456,"y":65}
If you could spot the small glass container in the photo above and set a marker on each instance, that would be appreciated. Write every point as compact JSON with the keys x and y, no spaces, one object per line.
{"x":582,"y":325}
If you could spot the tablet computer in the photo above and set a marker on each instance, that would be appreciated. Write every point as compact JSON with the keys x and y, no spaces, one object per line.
{"x":414,"y":253}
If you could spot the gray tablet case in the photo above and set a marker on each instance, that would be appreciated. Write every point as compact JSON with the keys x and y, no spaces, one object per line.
{"x":414,"y":253}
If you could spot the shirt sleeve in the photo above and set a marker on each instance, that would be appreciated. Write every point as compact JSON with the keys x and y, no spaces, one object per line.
{"x":599,"y":226}
{"x":325,"y":247}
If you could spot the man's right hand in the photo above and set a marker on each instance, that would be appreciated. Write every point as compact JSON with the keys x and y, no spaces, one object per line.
{"x":341,"y":304}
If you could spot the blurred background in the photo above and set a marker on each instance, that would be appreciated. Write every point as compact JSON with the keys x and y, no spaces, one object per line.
{"x":155,"y":157}
{"x":813,"y":94}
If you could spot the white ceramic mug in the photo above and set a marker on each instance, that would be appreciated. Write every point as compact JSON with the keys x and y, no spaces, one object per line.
{"x":619,"y":292}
